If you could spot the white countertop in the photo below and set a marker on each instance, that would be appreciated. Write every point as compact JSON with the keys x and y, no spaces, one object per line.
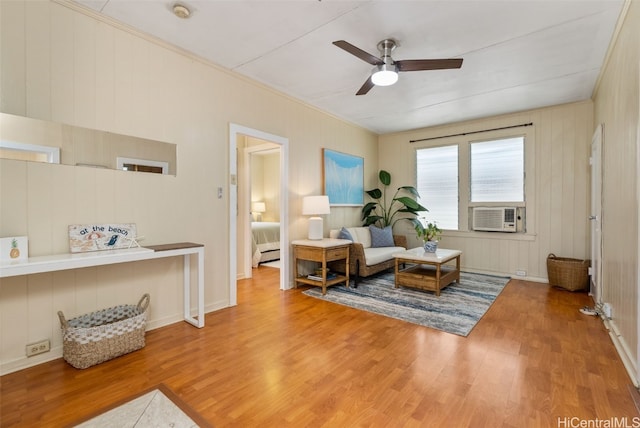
{"x":65,"y":261}
{"x":419,"y":254}
{"x":321,"y":243}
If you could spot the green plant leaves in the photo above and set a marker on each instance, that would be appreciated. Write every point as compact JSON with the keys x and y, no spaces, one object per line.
{"x":411,"y":190}
{"x":385,"y":177}
{"x":372,"y":220}
{"x":379,"y":213}
{"x":367,"y":209}
{"x":430,"y":232}
{"x":375,"y":193}
{"x":411,"y":204}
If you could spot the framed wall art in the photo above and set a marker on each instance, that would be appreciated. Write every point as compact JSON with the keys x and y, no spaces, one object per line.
{"x":343,"y":178}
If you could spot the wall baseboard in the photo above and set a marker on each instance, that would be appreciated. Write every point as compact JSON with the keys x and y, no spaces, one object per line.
{"x":623,"y":351}
{"x":22,"y":363}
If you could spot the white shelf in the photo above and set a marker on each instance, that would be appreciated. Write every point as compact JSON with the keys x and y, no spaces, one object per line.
{"x":58,"y":262}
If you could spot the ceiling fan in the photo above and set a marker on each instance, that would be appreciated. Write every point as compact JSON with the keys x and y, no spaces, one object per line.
{"x":386,"y":70}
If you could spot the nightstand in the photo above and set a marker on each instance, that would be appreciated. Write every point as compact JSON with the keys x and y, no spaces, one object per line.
{"x":321,"y":251}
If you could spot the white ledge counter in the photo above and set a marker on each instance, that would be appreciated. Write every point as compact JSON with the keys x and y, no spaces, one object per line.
{"x":58,"y":262}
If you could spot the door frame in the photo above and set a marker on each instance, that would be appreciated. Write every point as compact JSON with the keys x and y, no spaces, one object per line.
{"x":596,"y":215}
{"x":247,"y":267}
{"x":234,"y":131}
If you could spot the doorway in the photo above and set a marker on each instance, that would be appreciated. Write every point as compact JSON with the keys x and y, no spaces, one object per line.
{"x":239,"y":214}
{"x":258,"y":193}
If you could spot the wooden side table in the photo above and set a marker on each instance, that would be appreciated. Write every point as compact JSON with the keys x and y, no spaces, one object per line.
{"x":321,"y":251}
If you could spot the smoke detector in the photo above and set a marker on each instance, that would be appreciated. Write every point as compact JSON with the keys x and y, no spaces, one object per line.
{"x":181,"y":11}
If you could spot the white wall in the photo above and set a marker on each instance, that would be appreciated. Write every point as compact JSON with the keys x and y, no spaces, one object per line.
{"x":617,"y":103}
{"x":63,"y":65}
{"x":557,"y":157}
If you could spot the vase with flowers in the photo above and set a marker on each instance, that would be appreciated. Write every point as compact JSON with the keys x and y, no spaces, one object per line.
{"x":430,"y":235}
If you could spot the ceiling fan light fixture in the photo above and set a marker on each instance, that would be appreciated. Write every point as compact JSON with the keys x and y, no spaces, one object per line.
{"x":384,"y":75}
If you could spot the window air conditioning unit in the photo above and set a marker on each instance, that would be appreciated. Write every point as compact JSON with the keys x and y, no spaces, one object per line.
{"x":495,"y":219}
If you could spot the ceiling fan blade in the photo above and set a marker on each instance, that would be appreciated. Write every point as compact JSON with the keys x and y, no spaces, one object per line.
{"x":366,"y":87}
{"x":365,"y":56}
{"x":428,"y":64}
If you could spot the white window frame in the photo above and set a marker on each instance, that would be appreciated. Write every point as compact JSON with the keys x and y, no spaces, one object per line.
{"x":427,"y":216}
{"x":464,"y":170}
{"x":52,"y":153}
{"x":501,"y":203}
{"x":120,"y":161}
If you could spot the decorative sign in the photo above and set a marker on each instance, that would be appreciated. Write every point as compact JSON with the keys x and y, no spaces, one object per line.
{"x":96,"y":237}
{"x":14,"y":248}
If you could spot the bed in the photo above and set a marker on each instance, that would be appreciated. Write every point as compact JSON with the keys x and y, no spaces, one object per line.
{"x":265,"y":242}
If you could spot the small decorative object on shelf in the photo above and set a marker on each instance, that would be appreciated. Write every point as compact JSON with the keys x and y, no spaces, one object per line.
{"x":133,"y":241}
{"x":97,"y":237}
{"x":14,"y":248}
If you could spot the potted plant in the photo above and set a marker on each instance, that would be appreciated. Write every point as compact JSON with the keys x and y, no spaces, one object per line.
{"x":430,"y":235}
{"x":383,"y":212}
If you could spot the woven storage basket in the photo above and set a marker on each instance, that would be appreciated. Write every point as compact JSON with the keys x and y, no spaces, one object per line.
{"x":102,"y":335}
{"x":570,"y":274}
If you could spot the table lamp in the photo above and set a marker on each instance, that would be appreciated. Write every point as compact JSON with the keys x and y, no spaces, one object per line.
{"x":315,"y":206}
{"x":258,"y":208}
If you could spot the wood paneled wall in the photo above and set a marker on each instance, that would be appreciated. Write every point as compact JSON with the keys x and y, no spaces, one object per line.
{"x":63,"y":64}
{"x":557,"y":191}
{"x":617,"y":107}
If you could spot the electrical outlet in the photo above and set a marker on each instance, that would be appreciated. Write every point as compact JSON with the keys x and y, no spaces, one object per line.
{"x":38,"y":348}
{"x":521,"y":272}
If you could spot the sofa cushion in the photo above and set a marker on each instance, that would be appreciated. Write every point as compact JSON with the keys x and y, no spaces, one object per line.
{"x":374,"y":256}
{"x":381,"y":237}
{"x":361,"y":235}
{"x":345,"y":234}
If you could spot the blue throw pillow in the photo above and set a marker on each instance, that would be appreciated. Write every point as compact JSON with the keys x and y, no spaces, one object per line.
{"x":381,"y":237}
{"x":345,"y":234}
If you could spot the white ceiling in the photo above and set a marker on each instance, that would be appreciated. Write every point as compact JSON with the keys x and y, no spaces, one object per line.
{"x":518,"y":54}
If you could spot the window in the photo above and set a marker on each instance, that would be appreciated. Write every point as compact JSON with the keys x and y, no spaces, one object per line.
{"x":497,"y":170}
{"x":29,"y":152}
{"x":438,"y":184}
{"x":142,"y":165}
{"x":454,"y":178}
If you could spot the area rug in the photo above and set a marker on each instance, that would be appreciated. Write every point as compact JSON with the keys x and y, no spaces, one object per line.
{"x":153,"y":408}
{"x":456,"y":311}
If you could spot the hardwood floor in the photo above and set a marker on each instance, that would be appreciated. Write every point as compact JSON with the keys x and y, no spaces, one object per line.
{"x":281,"y":358}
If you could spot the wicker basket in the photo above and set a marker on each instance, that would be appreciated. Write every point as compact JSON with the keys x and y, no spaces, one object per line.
{"x":102,"y":335}
{"x":570,"y":274}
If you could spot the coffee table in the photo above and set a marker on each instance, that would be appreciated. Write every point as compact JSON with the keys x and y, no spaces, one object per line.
{"x":427,"y":271}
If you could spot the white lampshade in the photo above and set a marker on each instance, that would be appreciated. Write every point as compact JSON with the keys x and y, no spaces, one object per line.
{"x":315,"y":206}
{"x":259,"y":207}
{"x":384,"y":75}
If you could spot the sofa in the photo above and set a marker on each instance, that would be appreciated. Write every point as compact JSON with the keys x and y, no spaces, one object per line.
{"x":371,"y":250}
